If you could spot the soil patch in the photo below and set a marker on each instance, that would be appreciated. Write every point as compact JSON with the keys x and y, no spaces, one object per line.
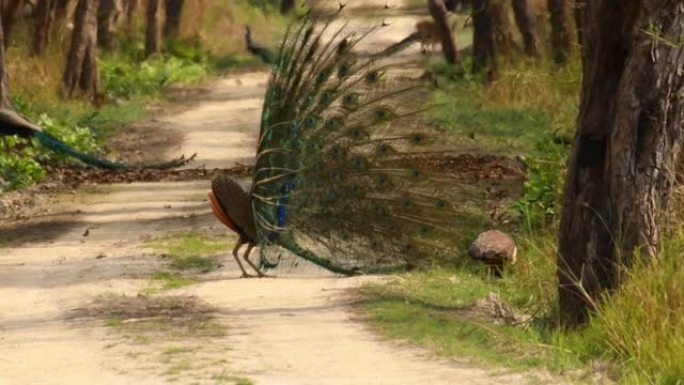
{"x":178,"y":315}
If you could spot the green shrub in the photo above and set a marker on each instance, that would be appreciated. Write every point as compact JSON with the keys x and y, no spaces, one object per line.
{"x":124,"y":79}
{"x":539,"y":206}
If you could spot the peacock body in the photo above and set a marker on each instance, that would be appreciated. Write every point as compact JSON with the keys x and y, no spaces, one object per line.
{"x":340,"y":177}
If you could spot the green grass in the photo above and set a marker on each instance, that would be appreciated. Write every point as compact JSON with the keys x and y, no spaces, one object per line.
{"x":223,"y":378}
{"x":641,"y":328}
{"x":192,"y":251}
{"x":434,"y":308}
{"x":165,"y":280}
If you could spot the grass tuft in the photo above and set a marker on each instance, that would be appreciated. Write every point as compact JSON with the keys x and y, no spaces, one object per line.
{"x":192,"y":251}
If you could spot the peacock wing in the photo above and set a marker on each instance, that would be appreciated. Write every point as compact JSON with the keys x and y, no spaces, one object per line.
{"x":236,"y":204}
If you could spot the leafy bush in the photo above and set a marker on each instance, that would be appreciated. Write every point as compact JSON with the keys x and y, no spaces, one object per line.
{"x":18,"y":167}
{"x":21,"y":161}
{"x":540,"y":204}
{"x":124,"y":79}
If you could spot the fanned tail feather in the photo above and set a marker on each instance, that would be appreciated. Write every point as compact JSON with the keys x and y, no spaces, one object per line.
{"x":337,"y":166}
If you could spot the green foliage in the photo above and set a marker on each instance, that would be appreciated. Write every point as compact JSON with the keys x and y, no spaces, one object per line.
{"x":540,"y":205}
{"x":123,"y":78}
{"x":18,"y":167}
{"x":21,"y":162}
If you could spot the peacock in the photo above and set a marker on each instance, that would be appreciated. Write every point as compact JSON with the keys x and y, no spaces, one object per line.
{"x":344,"y":174}
{"x":263,"y":53}
{"x":12,"y":123}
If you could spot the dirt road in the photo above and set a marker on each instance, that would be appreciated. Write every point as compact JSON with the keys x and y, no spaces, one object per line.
{"x":298,"y":328}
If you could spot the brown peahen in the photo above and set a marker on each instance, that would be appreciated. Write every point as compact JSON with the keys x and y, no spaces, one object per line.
{"x":342,"y":176}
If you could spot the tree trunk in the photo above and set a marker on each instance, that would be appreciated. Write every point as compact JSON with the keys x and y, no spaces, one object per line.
{"x":81,"y":69}
{"x":439,"y":14}
{"x":130,"y":7}
{"x":10,"y":11}
{"x":560,"y":30}
{"x":484,"y":49}
{"x":174,"y":13}
{"x":153,"y":41}
{"x":4,"y":92}
{"x":501,"y":28}
{"x":61,"y":9}
{"x":579,"y":20}
{"x":629,"y":133}
{"x":527,"y":25}
{"x":286,"y":6}
{"x":42,"y":22}
{"x":108,"y":15}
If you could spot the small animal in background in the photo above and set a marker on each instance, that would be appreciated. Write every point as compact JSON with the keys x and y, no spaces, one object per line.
{"x":429,"y":35}
{"x":495,"y":249}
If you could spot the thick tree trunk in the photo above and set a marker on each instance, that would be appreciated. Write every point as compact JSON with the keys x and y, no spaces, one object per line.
{"x":439,"y":14}
{"x":174,"y":13}
{"x":43,"y":18}
{"x":527,"y":25}
{"x":81,"y":69}
{"x":629,"y":134}
{"x":153,"y":41}
{"x":10,"y":11}
{"x":286,"y":6}
{"x":4,"y":92}
{"x":560,"y":30}
{"x":484,"y":48}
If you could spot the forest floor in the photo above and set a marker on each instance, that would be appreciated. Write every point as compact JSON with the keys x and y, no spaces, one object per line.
{"x":89,"y":294}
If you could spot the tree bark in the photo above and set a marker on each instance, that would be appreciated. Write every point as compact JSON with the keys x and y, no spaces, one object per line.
{"x":43,"y":18}
{"x":10,"y":11}
{"x":153,"y":41}
{"x":629,"y":134}
{"x":286,"y":6}
{"x":439,"y":14}
{"x":108,"y":15}
{"x":4,"y":92}
{"x":527,"y":25}
{"x":501,"y":27}
{"x":174,"y":13}
{"x":578,"y":10}
{"x":560,"y":30}
{"x":61,"y":9}
{"x":81,"y":70}
{"x":130,"y":7}
{"x":484,"y":48}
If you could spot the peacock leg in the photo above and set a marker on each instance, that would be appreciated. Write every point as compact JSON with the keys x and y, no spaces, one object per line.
{"x":235,"y":254}
{"x":246,"y":257}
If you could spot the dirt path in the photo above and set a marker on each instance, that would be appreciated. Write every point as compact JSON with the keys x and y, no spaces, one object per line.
{"x":296,"y":329}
